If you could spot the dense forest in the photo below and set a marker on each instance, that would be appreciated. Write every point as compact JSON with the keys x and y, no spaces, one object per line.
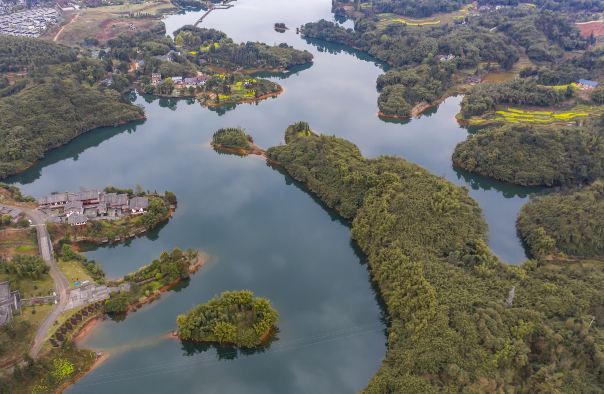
{"x":533,"y":155}
{"x":588,"y":6}
{"x":24,"y":267}
{"x":571,"y":222}
{"x":420,"y":74}
{"x":401,"y":89}
{"x":58,"y":99}
{"x":426,"y":8}
{"x":17,"y":54}
{"x":485,"y":97}
{"x":459,"y":319}
{"x":234,"y":318}
{"x":544,"y":36}
{"x":428,"y":61}
{"x":47,"y":115}
{"x":400,"y":46}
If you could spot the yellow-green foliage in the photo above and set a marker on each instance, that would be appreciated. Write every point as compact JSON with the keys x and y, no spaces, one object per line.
{"x":49,"y":372}
{"x":573,"y":85}
{"x":206,"y":48}
{"x":516,"y":115}
{"x":62,"y":368}
{"x":389,"y":19}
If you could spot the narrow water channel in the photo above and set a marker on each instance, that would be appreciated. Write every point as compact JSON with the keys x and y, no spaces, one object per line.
{"x":263,"y":232}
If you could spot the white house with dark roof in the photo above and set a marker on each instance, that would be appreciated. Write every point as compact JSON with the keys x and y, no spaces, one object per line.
{"x":54,"y":200}
{"x":587,"y":84}
{"x":138,"y":205}
{"x":77,"y":219}
{"x":73,"y":207}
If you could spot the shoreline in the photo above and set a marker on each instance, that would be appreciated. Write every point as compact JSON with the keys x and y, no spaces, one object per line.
{"x":26,"y":167}
{"x":97,"y":362}
{"x":89,"y":327}
{"x":252,"y":149}
{"x":209,"y":104}
{"x":416,"y":111}
{"x":265,"y":339}
{"x":79,"y":244}
{"x":244,"y":101}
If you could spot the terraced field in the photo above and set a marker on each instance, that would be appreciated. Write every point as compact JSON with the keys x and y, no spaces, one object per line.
{"x":516,"y":115}
{"x":386,"y":19}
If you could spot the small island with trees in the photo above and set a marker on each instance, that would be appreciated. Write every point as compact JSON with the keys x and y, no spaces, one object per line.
{"x":232,"y":318}
{"x":236,"y":141}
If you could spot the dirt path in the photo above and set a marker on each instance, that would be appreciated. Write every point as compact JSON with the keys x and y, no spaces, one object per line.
{"x":73,"y":19}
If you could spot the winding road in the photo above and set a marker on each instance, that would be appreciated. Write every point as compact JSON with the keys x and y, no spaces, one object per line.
{"x":61,"y":284}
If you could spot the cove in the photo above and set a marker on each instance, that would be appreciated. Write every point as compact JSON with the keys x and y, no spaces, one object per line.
{"x":263,"y":231}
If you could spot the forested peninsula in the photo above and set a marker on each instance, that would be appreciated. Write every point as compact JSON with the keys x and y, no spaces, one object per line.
{"x":56,"y":100}
{"x":459,"y":319}
{"x":535,"y":155}
{"x":571,"y":223}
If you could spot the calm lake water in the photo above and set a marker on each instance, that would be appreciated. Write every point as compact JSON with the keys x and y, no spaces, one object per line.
{"x":263,"y":231}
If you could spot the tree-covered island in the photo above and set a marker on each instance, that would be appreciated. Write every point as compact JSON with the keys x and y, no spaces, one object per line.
{"x":235,"y":140}
{"x":233,"y":318}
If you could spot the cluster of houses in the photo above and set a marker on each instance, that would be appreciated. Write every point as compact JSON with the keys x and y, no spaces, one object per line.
{"x":29,"y":23}
{"x":10,"y":303}
{"x":181,"y":82}
{"x":78,"y":208}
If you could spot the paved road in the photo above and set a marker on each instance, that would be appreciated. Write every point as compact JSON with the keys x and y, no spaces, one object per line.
{"x":61,"y":283}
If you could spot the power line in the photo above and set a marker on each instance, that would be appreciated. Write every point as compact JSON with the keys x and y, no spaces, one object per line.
{"x":210,"y":359}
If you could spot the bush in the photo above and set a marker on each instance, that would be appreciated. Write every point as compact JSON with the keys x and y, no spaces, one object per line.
{"x":23,"y":266}
{"x":232,"y":138}
{"x":233,"y":317}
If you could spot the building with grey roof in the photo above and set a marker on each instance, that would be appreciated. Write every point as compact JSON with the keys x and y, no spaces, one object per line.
{"x":138,"y":204}
{"x":54,"y":200}
{"x":10,"y":303}
{"x":114,"y":200}
{"x":73,"y":207}
{"x":86,"y":196}
{"x":14,"y":213}
{"x":77,"y":219}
